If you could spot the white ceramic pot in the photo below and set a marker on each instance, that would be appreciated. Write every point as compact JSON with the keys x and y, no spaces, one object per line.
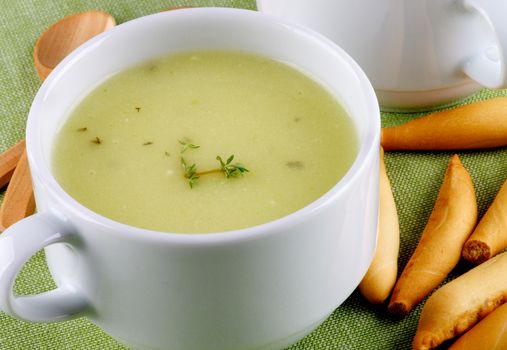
{"x":417,"y":54}
{"x":259,"y":288}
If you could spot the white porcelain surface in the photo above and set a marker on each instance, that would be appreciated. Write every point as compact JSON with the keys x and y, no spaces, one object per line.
{"x":416,"y":53}
{"x":259,"y":288}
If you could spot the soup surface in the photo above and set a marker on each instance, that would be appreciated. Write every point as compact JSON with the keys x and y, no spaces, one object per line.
{"x":121,"y":151}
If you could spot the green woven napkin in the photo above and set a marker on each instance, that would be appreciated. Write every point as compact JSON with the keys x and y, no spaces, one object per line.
{"x":415,"y":177}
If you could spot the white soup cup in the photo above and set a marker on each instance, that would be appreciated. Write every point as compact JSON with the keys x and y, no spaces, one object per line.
{"x":263,"y":287}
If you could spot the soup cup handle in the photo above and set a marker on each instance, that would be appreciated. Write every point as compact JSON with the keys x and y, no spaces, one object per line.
{"x":17,"y":244}
{"x":489,"y":68}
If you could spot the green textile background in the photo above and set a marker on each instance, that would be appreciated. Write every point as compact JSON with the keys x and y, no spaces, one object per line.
{"x":415,"y":177}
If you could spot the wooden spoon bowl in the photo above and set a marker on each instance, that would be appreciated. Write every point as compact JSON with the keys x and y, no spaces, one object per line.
{"x":66,"y":35}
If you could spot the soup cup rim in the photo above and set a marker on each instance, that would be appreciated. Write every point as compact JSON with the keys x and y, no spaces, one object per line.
{"x":368,"y":147}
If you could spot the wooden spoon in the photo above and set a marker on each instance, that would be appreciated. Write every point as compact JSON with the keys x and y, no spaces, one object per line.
{"x":52,"y":47}
{"x":18,"y":201}
{"x":8,"y":161}
{"x":66,"y":35}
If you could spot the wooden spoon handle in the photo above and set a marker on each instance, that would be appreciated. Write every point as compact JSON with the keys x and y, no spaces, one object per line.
{"x":18,"y":202}
{"x":8,"y":161}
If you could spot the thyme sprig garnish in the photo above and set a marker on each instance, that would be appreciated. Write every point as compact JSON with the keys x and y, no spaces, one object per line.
{"x":231,"y":170}
{"x":190,"y":172}
{"x":186,"y":144}
{"x":227,"y":167}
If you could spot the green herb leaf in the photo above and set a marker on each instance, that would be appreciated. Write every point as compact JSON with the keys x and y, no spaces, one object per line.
{"x":186,"y":143}
{"x":148,"y":143}
{"x":222,"y":164}
{"x":190,"y":172}
{"x":82,"y":129}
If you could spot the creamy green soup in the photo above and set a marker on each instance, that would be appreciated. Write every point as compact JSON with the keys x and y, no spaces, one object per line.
{"x":122,"y":150}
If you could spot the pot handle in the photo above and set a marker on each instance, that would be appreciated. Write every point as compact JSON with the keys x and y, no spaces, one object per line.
{"x":489,"y":68}
{"x":17,"y":244}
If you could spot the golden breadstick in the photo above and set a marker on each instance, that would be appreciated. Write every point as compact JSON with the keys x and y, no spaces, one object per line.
{"x":478,"y":125}
{"x":461,"y":303}
{"x":452,"y":220}
{"x":490,"y":236}
{"x":490,"y":333}
{"x":381,"y":276}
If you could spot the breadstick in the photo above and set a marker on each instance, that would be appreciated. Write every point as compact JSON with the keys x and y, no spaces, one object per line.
{"x":490,"y":333}
{"x":381,"y":276}
{"x":452,"y":220}
{"x":479,"y":125}
{"x":458,"y":305}
{"x":490,"y":236}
